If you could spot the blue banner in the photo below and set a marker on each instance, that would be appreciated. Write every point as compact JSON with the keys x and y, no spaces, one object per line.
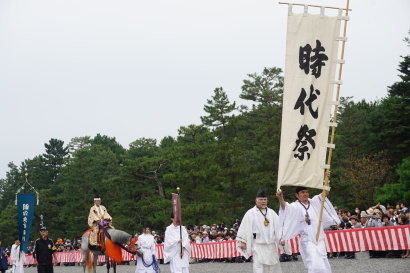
{"x":25,"y":213}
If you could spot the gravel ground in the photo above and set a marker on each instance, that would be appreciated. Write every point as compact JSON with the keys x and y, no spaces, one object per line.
{"x":338,"y":266}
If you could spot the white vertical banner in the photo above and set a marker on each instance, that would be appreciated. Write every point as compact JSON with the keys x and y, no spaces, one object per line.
{"x":311,"y":58}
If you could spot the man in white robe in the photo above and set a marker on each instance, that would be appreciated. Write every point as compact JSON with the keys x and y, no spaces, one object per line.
{"x":175,"y":237}
{"x":146,"y":263}
{"x":17,"y":257}
{"x":302,"y":217}
{"x":258,"y":234}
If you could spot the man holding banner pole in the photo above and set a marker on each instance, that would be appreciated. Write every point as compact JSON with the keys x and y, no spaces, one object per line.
{"x":18,"y":257}
{"x":302,"y":217}
{"x":177,"y":246}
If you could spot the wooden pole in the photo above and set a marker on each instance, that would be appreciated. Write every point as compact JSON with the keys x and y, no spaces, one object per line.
{"x":283,"y":3}
{"x":332,"y":138}
{"x":180,"y":226}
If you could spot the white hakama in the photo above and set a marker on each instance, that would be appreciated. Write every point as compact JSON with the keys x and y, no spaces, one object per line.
{"x":293,"y":222}
{"x":147,"y":244}
{"x":172,"y":249}
{"x":264,"y":247}
{"x":18,"y":258}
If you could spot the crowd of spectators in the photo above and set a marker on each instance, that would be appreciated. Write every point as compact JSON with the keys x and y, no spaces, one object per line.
{"x":377,"y":216}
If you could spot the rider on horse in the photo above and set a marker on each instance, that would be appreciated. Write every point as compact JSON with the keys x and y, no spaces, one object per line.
{"x":98,"y":213}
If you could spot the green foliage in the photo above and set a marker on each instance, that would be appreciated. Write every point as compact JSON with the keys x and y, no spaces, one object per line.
{"x":266,"y":88}
{"x":259,"y":128}
{"x":404,"y":172}
{"x":394,"y":121}
{"x":79,"y":143}
{"x":193,"y":170}
{"x":8,"y":224}
{"x":397,"y":192}
{"x":55,"y":156}
{"x":8,"y":186}
{"x":218,"y":110}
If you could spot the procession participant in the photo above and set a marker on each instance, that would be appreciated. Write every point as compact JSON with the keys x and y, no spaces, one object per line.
{"x":302,"y":217}
{"x":4,"y":253}
{"x":97,"y":214}
{"x":178,"y":258}
{"x":18,"y":257}
{"x":259,"y":234}
{"x":146,"y":263}
{"x":43,"y":253}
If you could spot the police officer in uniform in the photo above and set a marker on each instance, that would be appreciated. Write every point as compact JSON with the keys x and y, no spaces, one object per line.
{"x":43,"y":253}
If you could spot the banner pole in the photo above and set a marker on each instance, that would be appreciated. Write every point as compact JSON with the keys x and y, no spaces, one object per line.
{"x":180,"y":225}
{"x":332,"y":138}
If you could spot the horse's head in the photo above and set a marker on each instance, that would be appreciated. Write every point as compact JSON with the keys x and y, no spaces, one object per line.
{"x":133,"y":246}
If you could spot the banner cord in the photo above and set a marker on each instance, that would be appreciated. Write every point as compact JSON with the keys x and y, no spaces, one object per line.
{"x":22,"y":188}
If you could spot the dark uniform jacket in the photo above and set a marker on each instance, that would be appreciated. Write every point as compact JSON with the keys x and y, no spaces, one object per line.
{"x":43,"y":251}
{"x":3,"y":258}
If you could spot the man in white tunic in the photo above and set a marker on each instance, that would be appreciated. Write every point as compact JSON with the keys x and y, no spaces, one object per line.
{"x":302,"y":217}
{"x":147,"y":263}
{"x":18,"y":257}
{"x":258,"y":234}
{"x":177,"y":248}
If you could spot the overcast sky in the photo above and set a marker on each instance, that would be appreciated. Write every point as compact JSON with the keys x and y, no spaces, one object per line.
{"x":131,"y":69}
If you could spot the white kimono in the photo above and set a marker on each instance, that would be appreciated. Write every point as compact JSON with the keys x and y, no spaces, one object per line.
{"x":265,"y":246}
{"x":292,"y":220}
{"x":18,"y":258}
{"x":172,"y":249}
{"x":147,"y":244}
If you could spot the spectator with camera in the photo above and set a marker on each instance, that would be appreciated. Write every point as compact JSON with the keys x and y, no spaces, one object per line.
{"x":375,"y":218}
